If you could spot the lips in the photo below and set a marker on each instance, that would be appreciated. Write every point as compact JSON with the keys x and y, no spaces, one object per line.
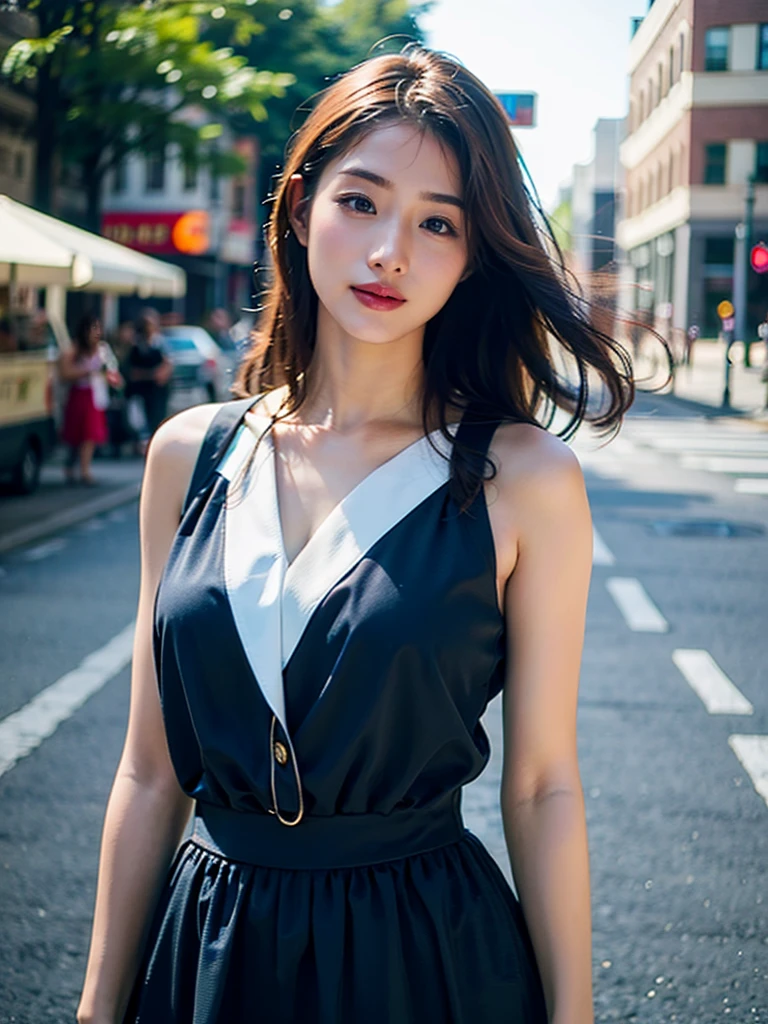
{"x":378,"y":296}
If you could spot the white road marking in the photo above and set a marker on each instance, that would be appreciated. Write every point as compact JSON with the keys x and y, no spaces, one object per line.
{"x":601,"y":553}
{"x":639,"y":611}
{"x":756,"y":485}
{"x":735,"y":445}
{"x":710,"y":683}
{"x":91,"y":526}
{"x":40,"y":551}
{"x":25,"y":729}
{"x":752,"y":751}
{"x":722,"y":464}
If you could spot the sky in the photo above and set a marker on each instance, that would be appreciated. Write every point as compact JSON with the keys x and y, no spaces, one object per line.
{"x":573,"y":53}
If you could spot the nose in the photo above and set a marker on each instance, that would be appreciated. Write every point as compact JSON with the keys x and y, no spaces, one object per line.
{"x":390,"y":252}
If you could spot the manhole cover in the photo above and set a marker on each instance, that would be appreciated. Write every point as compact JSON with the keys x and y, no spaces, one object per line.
{"x":704,"y":528}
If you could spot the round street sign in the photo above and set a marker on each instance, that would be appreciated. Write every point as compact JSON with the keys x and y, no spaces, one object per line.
{"x":725,"y":309}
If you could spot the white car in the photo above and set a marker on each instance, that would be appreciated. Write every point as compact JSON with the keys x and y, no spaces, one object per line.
{"x":199,"y":362}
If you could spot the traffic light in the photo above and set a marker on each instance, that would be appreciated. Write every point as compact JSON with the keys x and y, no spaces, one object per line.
{"x":759,"y":258}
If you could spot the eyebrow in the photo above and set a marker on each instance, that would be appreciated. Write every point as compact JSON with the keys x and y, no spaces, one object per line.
{"x":377,"y":179}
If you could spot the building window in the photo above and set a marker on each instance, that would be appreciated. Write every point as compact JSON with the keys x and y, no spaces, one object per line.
{"x":190,"y":177}
{"x":5,"y":160}
{"x":155,"y":171}
{"x":762,"y":48}
{"x":19,"y":164}
{"x":714,"y":163}
{"x":716,"y":44}
{"x":682,"y":52}
{"x":671,"y":178}
{"x":120,"y":176}
{"x":671,"y":66}
{"x":761,"y":162}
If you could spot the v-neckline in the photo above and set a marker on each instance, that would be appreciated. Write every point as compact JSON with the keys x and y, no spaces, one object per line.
{"x":272,"y":601}
{"x":267,"y":437}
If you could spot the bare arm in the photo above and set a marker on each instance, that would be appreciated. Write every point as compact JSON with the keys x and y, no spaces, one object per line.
{"x":147,"y":810}
{"x":542,"y":798}
{"x":68,"y":368}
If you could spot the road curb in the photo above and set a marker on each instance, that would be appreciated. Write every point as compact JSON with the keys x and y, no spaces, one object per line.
{"x":70,"y":517}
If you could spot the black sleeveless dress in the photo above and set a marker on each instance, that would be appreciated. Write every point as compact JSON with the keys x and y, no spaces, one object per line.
{"x":324,"y":714}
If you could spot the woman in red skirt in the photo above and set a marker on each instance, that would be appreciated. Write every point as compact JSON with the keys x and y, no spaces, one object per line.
{"x":85,"y":421}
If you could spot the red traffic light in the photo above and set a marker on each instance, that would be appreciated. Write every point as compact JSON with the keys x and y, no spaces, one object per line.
{"x":759,"y":258}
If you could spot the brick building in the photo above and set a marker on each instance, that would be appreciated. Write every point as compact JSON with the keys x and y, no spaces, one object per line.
{"x":697,"y":132}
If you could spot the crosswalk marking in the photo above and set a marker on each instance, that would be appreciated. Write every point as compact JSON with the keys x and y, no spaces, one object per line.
{"x":708,"y":681}
{"x":639,"y":611}
{"x":25,"y":729}
{"x":751,"y":486}
{"x":724,"y":464}
{"x":752,"y":752}
{"x":601,"y":553}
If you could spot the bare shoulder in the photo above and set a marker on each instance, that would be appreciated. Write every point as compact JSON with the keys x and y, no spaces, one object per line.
{"x":173,"y":452}
{"x":539,"y":490}
{"x":529,"y":455}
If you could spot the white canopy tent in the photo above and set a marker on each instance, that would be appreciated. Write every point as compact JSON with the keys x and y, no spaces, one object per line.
{"x":43,"y":251}
{"x":29,"y":257}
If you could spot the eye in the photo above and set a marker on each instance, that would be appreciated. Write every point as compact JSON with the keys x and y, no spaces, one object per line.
{"x":438,"y":226}
{"x":357,"y":203}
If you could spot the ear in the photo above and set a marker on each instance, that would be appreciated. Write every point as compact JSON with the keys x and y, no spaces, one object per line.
{"x":298,"y":208}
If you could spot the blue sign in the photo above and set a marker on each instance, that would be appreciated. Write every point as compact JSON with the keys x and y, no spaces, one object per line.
{"x":520,"y":108}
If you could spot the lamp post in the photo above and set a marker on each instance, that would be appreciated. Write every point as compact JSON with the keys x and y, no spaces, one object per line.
{"x":743,"y":244}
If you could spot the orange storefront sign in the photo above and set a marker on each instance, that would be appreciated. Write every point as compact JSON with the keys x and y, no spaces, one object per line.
{"x":156,"y":233}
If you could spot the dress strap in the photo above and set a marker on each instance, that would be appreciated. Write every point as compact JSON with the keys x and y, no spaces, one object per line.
{"x":217,"y":440}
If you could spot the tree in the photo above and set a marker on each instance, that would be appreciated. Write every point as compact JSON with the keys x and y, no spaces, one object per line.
{"x":113,"y":78}
{"x":316,"y":42}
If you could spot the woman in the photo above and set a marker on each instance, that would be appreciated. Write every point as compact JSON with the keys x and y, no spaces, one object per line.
{"x":85,"y":367}
{"x":149,"y":369}
{"x":376,"y":540}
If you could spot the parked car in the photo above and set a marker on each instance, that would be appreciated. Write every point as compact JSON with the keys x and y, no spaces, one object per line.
{"x":199,"y":363}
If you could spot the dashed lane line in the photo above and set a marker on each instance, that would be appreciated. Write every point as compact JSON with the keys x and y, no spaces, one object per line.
{"x":25,"y":729}
{"x":752,"y":751}
{"x":601,"y":553}
{"x":639,"y":611}
{"x":708,"y":681}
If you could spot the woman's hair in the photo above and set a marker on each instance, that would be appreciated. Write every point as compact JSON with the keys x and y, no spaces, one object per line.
{"x":82,"y":337}
{"x":515,"y":334}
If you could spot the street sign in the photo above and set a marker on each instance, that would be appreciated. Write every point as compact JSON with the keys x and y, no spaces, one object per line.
{"x":520,"y":108}
{"x":725,"y":309}
{"x":759,"y":258}
{"x":728,"y":323}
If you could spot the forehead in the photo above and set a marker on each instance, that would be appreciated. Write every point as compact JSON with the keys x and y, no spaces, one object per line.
{"x":405,"y":155}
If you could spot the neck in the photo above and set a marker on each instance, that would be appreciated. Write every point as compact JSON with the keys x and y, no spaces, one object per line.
{"x":351,"y":383}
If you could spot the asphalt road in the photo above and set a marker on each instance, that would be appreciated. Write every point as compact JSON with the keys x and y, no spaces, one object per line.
{"x":678,"y":831}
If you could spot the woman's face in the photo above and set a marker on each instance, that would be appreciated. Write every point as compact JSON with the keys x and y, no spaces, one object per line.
{"x":94,"y":335}
{"x":386,"y":213}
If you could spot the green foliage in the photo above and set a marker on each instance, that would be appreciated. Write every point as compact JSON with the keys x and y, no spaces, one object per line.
{"x":106,"y":67}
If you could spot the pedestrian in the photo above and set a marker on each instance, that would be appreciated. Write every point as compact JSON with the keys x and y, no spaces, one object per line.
{"x":87,"y":368}
{"x":338,"y":605}
{"x":149,"y":370}
{"x":691,"y":336}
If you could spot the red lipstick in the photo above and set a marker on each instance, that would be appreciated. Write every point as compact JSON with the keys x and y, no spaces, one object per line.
{"x":378,"y":296}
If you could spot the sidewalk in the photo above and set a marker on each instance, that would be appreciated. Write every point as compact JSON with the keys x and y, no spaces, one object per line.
{"x":55,"y":505}
{"x":703,"y":381}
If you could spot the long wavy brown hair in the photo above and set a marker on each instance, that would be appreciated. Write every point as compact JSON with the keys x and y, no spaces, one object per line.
{"x":516,"y":340}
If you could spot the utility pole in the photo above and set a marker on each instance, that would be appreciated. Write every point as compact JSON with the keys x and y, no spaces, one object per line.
{"x":743,"y":244}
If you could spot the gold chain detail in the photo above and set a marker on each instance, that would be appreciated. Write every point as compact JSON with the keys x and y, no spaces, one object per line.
{"x":275,"y":809}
